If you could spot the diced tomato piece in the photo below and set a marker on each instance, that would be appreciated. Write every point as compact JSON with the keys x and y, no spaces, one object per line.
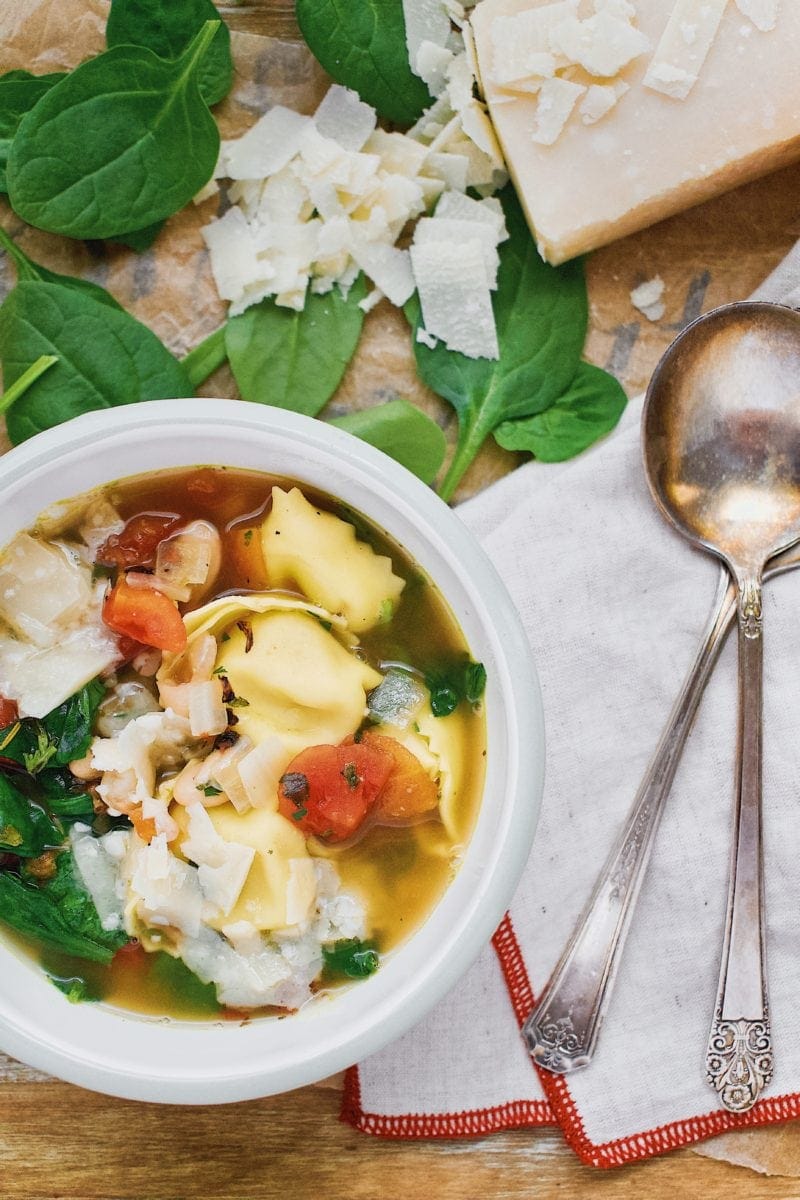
{"x":409,"y":791}
{"x":137,"y":543}
{"x":146,"y":616}
{"x":330,"y":790}
{"x":9,"y":713}
{"x":131,"y":957}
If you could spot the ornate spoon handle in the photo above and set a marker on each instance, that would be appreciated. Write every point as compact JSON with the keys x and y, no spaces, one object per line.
{"x":739,"y":1057}
{"x":562,"y":1030}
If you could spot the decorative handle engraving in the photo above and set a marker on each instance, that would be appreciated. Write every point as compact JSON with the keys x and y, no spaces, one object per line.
{"x":739,"y":1061}
{"x":739,"y":1055}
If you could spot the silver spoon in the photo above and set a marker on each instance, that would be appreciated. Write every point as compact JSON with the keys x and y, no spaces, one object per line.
{"x":721,"y":428}
{"x":562,"y":1030}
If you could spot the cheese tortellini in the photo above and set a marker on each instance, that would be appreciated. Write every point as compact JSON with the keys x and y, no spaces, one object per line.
{"x":317,"y":552}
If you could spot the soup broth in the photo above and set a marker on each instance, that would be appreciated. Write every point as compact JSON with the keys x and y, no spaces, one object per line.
{"x":281,"y":755}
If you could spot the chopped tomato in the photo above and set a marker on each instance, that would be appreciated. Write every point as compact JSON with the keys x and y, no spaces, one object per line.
{"x":330,"y":790}
{"x":144,"y":826}
{"x":409,"y":791}
{"x":9,"y":713}
{"x":137,"y":543}
{"x":146,"y":616}
{"x":131,"y":957}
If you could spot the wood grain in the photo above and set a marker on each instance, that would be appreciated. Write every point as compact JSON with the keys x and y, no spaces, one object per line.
{"x":59,"y":1142}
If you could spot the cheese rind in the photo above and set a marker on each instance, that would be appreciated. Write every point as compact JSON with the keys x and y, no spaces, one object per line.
{"x":650,"y":156}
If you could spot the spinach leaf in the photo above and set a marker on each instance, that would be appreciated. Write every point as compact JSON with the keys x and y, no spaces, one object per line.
{"x":362,"y":44}
{"x":295,"y":359}
{"x":122,"y":141}
{"x":541,"y":316}
{"x":453,"y":682}
{"x":30,"y":271}
{"x":206,"y":357}
{"x":167,"y":27}
{"x":185,"y":988}
{"x":76,"y":989}
{"x":106,"y":357}
{"x":589,"y":409}
{"x":13,"y":393}
{"x":59,"y":913}
{"x":70,"y":725}
{"x":19,"y":91}
{"x":63,"y":796}
{"x":401,"y":431}
{"x":25,"y":828}
{"x":351,"y":957}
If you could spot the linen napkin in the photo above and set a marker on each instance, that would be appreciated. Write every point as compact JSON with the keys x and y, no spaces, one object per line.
{"x":614,"y":603}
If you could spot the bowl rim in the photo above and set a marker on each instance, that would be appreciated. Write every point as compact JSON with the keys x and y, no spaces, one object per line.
{"x":166,"y":1063}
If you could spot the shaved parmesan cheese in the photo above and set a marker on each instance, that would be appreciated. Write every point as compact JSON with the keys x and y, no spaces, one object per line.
{"x":600,"y":99}
{"x":602,"y":45}
{"x":388,"y":268}
{"x":344,"y":118}
{"x":647,"y":297}
{"x":460,"y":82}
{"x":464,"y":208}
{"x":431,"y":65}
{"x":763,"y":13}
{"x":478,"y":128}
{"x":223,"y":866}
{"x":265,"y":148}
{"x":557,"y":99}
{"x":450,"y":169}
{"x":425,"y":21}
{"x":234,"y":247}
{"x":427,"y":339}
{"x":521,"y":43}
{"x":371,"y":300}
{"x":457,"y":233}
{"x":677,"y":61}
{"x":455,"y":297}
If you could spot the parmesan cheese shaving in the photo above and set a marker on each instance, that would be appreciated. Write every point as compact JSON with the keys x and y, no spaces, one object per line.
{"x":557,"y":99}
{"x":455,"y":297}
{"x":684,"y":46}
{"x":344,"y":118}
{"x":763,"y":13}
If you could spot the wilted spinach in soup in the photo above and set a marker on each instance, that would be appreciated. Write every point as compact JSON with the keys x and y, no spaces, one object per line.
{"x":241,"y":743}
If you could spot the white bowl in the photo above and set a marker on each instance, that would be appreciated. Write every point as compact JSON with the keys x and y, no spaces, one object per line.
{"x":140,"y":1058}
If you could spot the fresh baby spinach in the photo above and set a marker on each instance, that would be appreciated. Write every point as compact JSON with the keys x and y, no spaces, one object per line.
{"x":351,"y":957}
{"x":541,"y":314}
{"x":105,"y":357}
{"x":13,"y":393}
{"x":167,"y":27}
{"x":401,"y":431}
{"x":362,"y":44}
{"x":69,"y":726}
{"x":19,"y":91}
{"x":453,"y":682}
{"x":206,"y":357}
{"x":32,"y":271}
{"x":123,"y":141}
{"x":59,"y":913}
{"x":25,"y":829}
{"x":590,"y":408}
{"x":293,"y":359}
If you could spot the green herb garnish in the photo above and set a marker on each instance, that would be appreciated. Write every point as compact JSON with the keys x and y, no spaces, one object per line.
{"x":351,"y":957}
{"x":351,"y":775}
{"x":209,"y":789}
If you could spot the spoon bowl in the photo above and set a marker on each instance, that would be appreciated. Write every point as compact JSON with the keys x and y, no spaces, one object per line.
{"x":721,"y":430}
{"x":721,"y":434}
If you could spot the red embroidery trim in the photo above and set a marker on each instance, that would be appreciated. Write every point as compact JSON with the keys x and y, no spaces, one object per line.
{"x":561,"y":1108}
{"x":517,"y":1114}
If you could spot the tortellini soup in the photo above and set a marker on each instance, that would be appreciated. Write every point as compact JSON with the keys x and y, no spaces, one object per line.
{"x":241,"y":744}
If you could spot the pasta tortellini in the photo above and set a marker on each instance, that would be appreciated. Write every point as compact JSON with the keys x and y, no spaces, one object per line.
{"x":319,"y":553}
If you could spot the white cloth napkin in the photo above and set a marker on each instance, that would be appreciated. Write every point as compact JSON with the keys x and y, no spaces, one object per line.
{"x":614,"y":603}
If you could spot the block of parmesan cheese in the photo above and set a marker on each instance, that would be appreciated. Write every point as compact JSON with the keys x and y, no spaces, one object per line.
{"x":655,"y":151}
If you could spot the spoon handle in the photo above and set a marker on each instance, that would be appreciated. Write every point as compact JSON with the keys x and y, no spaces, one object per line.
{"x":739,"y":1057}
{"x":561,"y":1032}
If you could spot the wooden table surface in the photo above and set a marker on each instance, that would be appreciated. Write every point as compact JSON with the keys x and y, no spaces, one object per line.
{"x":58,"y":1141}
